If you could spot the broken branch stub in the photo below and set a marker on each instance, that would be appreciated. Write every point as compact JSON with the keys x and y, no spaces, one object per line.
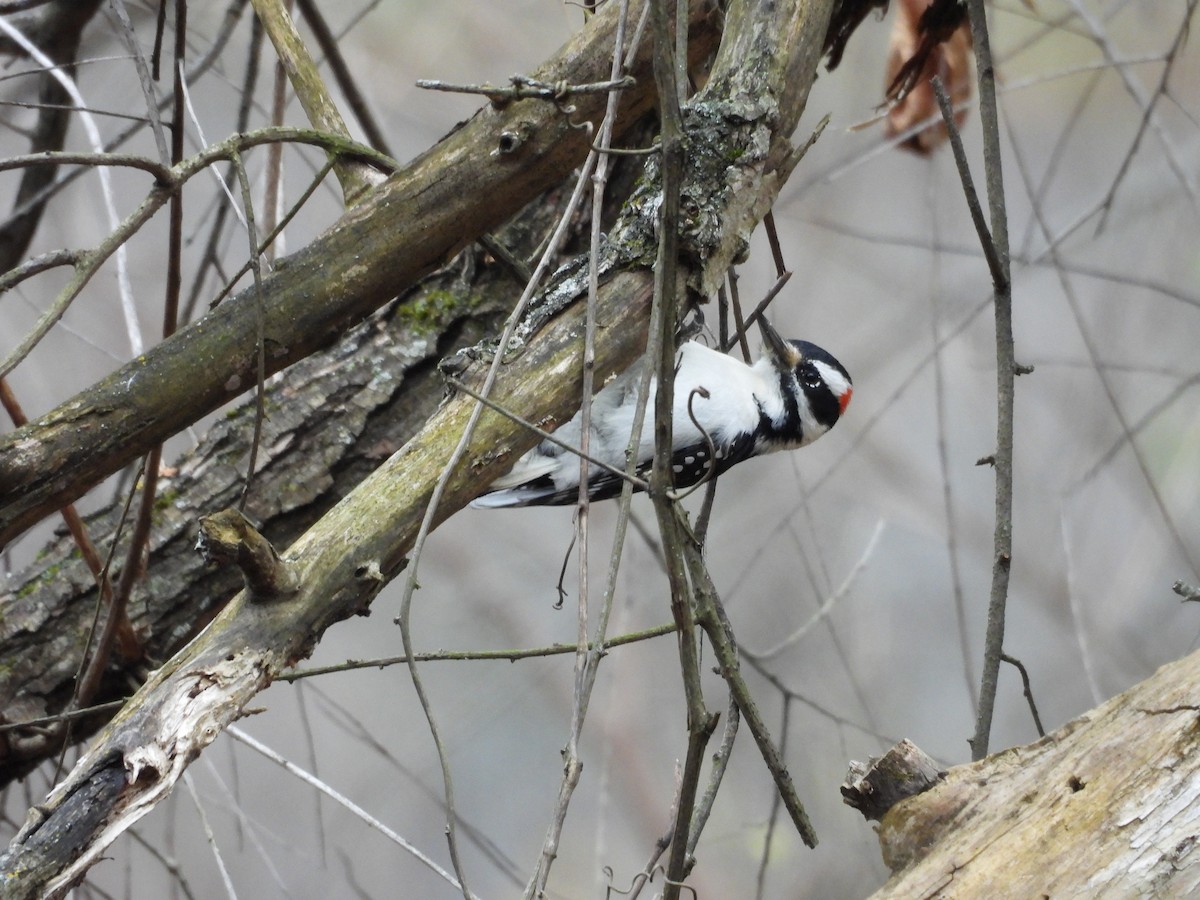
{"x":229,"y":538}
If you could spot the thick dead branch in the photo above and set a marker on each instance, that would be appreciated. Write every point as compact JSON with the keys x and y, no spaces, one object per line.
{"x":334,"y":418}
{"x":342,"y":563}
{"x":471,"y":182}
{"x":1108,"y":804}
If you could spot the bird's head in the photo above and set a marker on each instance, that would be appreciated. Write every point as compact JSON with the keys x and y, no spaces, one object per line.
{"x":819,"y":385}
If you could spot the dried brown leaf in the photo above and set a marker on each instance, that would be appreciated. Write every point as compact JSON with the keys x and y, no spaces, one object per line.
{"x":929,"y":37}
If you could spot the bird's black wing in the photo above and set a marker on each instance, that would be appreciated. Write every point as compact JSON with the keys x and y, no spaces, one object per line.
{"x":689,"y":464}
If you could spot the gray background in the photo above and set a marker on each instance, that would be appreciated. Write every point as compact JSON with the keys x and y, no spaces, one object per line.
{"x":885,"y":260}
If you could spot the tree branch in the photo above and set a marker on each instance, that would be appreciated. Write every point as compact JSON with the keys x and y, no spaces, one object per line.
{"x":346,"y":408}
{"x":1005,"y":381}
{"x":342,"y":562}
{"x":312,"y":93}
{"x":345,"y":558}
{"x":474,"y":179}
{"x":1106,"y":803}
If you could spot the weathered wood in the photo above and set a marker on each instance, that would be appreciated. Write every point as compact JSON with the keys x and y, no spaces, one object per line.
{"x":877,"y":785}
{"x":1108,"y":805}
{"x":228,"y":538}
{"x":460,"y":189}
{"x":56,"y":846}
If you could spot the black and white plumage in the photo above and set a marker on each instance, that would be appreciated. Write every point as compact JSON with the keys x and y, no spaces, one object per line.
{"x":790,"y":397}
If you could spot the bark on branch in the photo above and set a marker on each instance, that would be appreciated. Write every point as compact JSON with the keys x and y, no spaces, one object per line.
{"x":740,"y":133}
{"x":337,"y":414}
{"x":342,"y":563}
{"x":476,"y":178}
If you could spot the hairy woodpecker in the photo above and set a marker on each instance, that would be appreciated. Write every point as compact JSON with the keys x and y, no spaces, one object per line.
{"x":790,"y":397}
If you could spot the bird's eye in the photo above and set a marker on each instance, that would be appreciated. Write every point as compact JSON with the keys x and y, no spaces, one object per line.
{"x":809,"y":377}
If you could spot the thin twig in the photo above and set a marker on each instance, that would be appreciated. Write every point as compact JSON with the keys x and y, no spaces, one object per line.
{"x":652,"y":867}
{"x":91,"y":668}
{"x":744,"y":325}
{"x":1148,"y":121}
{"x":90,"y":261}
{"x":773,"y":241}
{"x":369,"y":740}
{"x":776,"y":805}
{"x":789,"y":693}
{"x":92,"y":129}
{"x":1101,"y":368}
{"x":524,"y":88}
{"x":710,"y":615}
{"x":310,"y":90}
{"x":704,"y":516}
{"x":350,"y":806}
{"x":735,"y":305}
{"x":226,"y":880}
{"x":279,"y":28}
{"x":589,"y":654}
{"x":995,"y":266}
{"x":328,"y":42}
{"x":310,"y":747}
{"x":117,"y":623}
{"x":1005,"y":378}
{"x":167,"y":861}
{"x":1028,"y":690}
{"x":129,"y":38}
{"x":245,"y":827}
{"x":260,"y":338}
{"x":716,"y":775}
{"x":211,"y":255}
{"x":830,"y":602}
{"x":506,"y":258}
{"x":70,"y":715}
{"x":160,"y":170}
{"x":1075,"y":604}
{"x":269,"y":238}
{"x":175,"y":233}
{"x":228,"y":24}
{"x":952,"y":531}
{"x":700,"y":724}
{"x":601,"y":646}
{"x":709,"y":472}
{"x":410,"y":584}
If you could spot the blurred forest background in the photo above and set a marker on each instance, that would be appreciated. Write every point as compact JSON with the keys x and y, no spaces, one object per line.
{"x":858,"y":569}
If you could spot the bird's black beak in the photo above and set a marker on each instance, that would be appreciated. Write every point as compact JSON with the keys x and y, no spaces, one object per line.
{"x":783,"y":354}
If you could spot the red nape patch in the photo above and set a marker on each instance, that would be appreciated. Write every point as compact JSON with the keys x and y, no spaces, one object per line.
{"x":844,"y":401}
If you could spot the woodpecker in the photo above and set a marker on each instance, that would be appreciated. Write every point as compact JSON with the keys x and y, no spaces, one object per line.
{"x":787,"y":399}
